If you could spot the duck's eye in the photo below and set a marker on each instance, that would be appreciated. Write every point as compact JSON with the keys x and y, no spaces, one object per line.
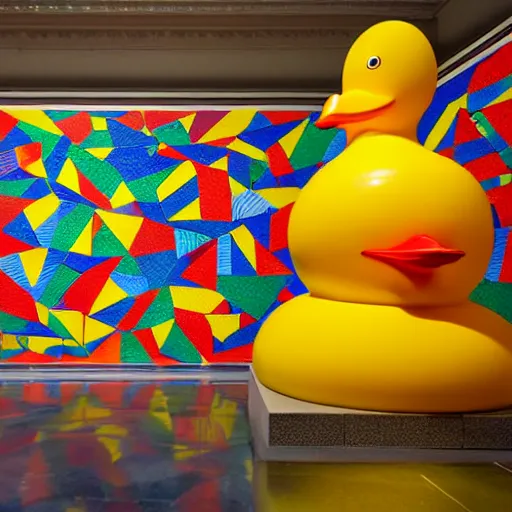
{"x":373,"y":62}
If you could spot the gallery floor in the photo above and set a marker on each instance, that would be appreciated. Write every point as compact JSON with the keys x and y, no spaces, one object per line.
{"x":184,"y":445}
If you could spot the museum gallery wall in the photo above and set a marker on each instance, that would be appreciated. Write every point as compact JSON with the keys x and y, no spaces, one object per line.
{"x":159,"y":236}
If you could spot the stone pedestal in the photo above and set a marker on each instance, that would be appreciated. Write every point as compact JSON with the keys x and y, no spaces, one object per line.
{"x":285,"y":429}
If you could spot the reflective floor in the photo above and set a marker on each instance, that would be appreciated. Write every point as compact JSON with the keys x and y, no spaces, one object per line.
{"x":184,"y":446}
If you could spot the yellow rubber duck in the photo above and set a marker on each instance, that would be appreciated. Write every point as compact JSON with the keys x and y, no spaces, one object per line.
{"x":390,"y":240}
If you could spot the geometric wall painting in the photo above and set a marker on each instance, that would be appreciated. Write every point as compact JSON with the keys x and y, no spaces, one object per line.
{"x":159,"y":236}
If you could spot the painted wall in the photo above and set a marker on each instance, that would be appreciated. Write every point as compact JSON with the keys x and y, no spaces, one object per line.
{"x":160,"y":236}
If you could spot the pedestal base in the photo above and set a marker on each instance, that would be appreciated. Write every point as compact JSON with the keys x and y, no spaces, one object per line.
{"x":285,"y":429}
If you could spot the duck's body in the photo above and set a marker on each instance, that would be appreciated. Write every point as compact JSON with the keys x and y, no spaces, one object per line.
{"x":386,"y":358}
{"x":390,"y":239}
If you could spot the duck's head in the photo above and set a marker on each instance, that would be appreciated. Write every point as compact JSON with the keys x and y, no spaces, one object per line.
{"x":389,"y":80}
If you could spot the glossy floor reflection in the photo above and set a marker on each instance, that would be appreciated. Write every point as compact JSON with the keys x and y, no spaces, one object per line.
{"x":185,"y":446}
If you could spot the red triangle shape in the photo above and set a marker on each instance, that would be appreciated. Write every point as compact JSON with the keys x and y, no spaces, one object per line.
{"x":170,"y":152}
{"x":76,"y":128}
{"x":492,"y":70}
{"x":197,"y":329}
{"x":500,"y":117}
{"x":267,"y":264}
{"x":203,"y":267}
{"x":132,"y":119}
{"x":153,"y":237}
{"x":147,"y":340}
{"x":465,"y":130}
{"x":156,"y":118}
{"x":91,"y":193}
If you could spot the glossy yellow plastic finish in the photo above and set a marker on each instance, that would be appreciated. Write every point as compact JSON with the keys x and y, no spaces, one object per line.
{"x":370,"y":336}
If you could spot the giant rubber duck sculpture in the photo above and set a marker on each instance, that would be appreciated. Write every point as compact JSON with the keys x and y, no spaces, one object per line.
{"x":390,"y":240}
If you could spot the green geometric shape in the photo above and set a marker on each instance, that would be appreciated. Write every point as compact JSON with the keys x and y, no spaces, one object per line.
{"x":132,"y":351}
{"x":159,"y":311}
{"x":63,"y":278}
{"x":15,"y":188}
{"x":105,"y":243}
{"x":10,"y":324}
{"x":48,"y":140}
{"x":506,"y":156}
{"x":253,"y":294}
{"x":179,"y":347}
{"x":59,"y":115}
{"x":71,"y":226}
{"x":144,"y":189}
{"x":496,"y":297}
{"x":58,"y":327}
{"x":173,"y":134}
{"x":311,"y":147}
{"x":104,"y":176}
{"x":99,"y":139}
{"x":257,"y":169}
{"x":128,"y":266}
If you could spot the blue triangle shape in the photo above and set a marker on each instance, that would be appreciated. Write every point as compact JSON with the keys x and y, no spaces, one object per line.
{"x":239,"y":264}
{"x":202,"y":153}
{"x":11,"y":265}
{"x":37,"y":190}
{"x":156,"y":267}
{"x":53,"y":260}
{"x":21,"y":229}
{"x":153,"y":211}
{"x":249,"y":204}
{"x":14,"y":139}
{"x":259,"y":121}
{"x":337,"y":145}
{"x":115,"y":313}
{"x":266,"y":137}
{"x":239,"y":168}
{"x":239,"y":338}
{"x":124,"y":136}
{"x":81,"y":263}
{"x":302,"y":176}
{"x":55,"y":160}
{"x":267,"y":180}
{"x":67,"y":195}
{"x":449,"y":137}
{"x":259,"y":226}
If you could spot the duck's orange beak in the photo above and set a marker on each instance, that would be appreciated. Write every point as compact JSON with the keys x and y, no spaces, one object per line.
{"x":419,"y":254}
{"x":352,"y":107}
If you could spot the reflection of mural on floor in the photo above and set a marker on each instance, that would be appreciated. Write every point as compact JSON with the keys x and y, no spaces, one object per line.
{"x":160,"y":236}
{"x":81,"y":447}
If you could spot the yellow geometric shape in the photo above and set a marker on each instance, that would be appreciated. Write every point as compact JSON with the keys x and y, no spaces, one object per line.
{"x":223,"y":413}
{"x":68,"y":176}
{"x":37,"y":169}
{"x":444,"y":122}
{"x":179,"y":177}
{"x":245,"y":242}
{"x":100,"y":153}
{"x":507,"y":95}
{"x":160,"y":332}
{"x":111,"y":436}
{"x":110,"y":294}
{"x":236,"y":188}
{"x":33,"y":262}
{"x":99,"y":123}
{"x":43,"y":313}
{"x":246,"y":149}
{"x":122,"y":196}
{"x":187,"y":121}
{"x":199,"y":300}
{"x":145,"y":131}
{"x":233,"y":123}
{"x":124,"y":227}
{"x":10,"y":342}
{"x":191,"y":212}
{"x":290,"y":140}
{"x":280,"y":197}
{"x":221,"y":164}
{"x":73,"y":321}
{"x":95,"y":330}
{"x":39,"y":212}
{"x":40,"y":344}
{"x":223,"y":325}
{"x":36,"y":118}
{"x":83,"y":244}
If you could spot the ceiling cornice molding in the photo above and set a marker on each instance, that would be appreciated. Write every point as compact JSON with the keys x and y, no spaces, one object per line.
{"x":411,"y":9}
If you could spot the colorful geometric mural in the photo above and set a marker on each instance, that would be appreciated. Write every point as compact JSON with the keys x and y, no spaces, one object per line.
{"x":147,"y":237}
{"x":159,"y":237}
